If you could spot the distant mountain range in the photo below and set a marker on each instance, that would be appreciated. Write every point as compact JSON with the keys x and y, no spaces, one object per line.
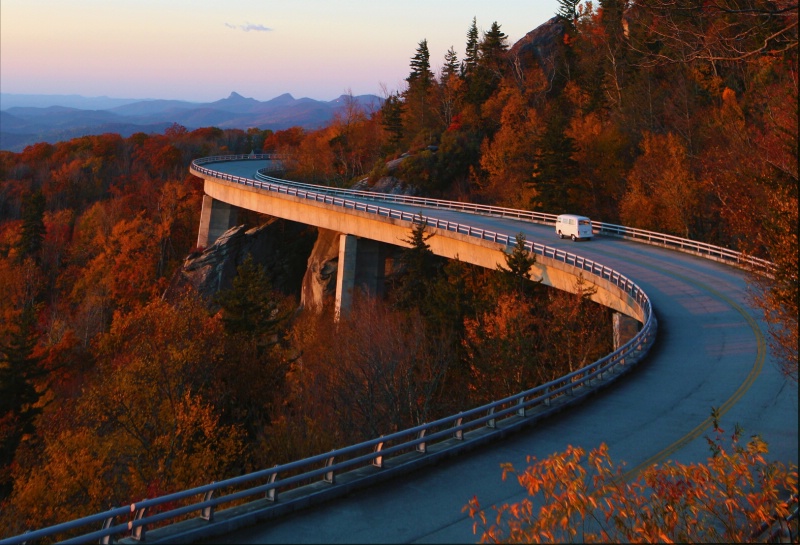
{"x":27,"y":119}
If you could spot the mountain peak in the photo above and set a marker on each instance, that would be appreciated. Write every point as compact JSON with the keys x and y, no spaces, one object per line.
{"x":235,"y":96}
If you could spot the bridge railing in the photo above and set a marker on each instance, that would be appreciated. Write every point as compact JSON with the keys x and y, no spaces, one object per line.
{"x":726,"y":255}
{"x":651,"y":237}
{"x":424,"y":442}
{"x":450,"y":434}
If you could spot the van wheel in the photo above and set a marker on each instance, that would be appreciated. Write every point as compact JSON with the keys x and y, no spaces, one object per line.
{"x":574,"y":238}
{"x":560,"y":234}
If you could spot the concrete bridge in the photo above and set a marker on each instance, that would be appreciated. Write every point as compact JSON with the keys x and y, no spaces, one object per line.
{"x":364,"y":231}
{"x":710,"y":351}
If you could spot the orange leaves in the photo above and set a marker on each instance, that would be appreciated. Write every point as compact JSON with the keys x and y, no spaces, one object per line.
{"x":507,"y":158}
{"x":662,"y":191}
{"x":501,"y":348}
{"x":124,"y":267}
{"x":722,"y":500}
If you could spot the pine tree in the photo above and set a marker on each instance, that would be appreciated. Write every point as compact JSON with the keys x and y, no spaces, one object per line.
{"x":518,"y":266}
{"x":611,"y":18}
{"x":392,"y":118}
{"x":419,"y":118}
{"x":450,"y":67}
{"x":18,"y":395}
{"x":490,"y":65}
{"x":568,"y":12}
{"x":493,"y":45}
{"x":471,"y":55}
{"x":555,"y":169}
{"x":421,"y":76}
{"x":250,"y":305}
{"x":419,"y":268}
{"x":33,"y":229}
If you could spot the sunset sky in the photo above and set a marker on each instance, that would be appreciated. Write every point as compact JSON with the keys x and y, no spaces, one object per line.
{"x":202,"y":50}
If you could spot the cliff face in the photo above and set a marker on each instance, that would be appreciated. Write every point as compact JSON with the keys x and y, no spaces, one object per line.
{"x":319,"y":281}
{"x":539,"y":45}
{"x":281,"y":247}
{"x":284,"y":249}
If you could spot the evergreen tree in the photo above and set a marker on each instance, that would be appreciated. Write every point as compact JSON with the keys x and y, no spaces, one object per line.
{"x":420,"y":266}
{"x":33,"y":229}
{"x":611,"y":18}
{"x":518,"y":266}
{"x":421,"y":76}
{"x":471,"y":54}
{"x":392,"y":118}
{"x":250,"y":306}
{"x":566,"y":57}
{"x":18,"y":395}
{"x":611,"y":69}
{"x":450,"y":67}
{"x":555,"y":169}
{"x":493,"y":45}
{"x":419,"y":117}
{"x":490,"y":66}
{"x":568,"y":12}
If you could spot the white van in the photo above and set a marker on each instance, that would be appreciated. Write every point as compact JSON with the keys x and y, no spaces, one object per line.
{"x":575,"y":227}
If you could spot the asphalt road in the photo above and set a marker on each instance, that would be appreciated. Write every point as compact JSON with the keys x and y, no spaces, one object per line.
{"x":711,"y":352}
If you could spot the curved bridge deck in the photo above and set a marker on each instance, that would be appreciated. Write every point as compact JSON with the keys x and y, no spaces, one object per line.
{"x":710,"y":352}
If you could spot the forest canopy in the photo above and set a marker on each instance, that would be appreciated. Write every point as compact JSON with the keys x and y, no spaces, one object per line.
{"x":667,"y":115}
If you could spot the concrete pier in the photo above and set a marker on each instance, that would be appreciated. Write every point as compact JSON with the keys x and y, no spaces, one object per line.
{"x":216,"y":217}
{"x":361,"y":266}
{"x":346,"y":274}
{"x":625,"y":328}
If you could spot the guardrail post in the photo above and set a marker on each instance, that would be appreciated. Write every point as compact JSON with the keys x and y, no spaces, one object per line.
{"x":521,"y":408}
{"x":329,"y":476}
{"x":421,"y":446}
{"x":138,"y":532}
{"x":492,"y":423}
{"x":459,"y":433}
{"x":208,"y":511}
{"x":272,"y":493}
{"x":378,"y":460}
{"x":107,"y":539}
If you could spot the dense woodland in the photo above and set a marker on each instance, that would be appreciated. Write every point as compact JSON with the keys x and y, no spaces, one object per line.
{"x":674,"y":116}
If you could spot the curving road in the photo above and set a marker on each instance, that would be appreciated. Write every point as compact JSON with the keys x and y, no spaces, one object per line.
{"x":710,"y":352}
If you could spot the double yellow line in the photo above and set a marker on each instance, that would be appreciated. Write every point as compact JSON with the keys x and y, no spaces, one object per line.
{"x":755,"y":371}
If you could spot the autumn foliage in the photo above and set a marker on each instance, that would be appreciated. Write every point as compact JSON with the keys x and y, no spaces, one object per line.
{"x":578,"y":497}
{"x":670,"y":116}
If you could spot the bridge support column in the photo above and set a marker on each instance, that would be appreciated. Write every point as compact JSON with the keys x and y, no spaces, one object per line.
{"x":361,"y":265}
{"x":371,"y":266}
{"x":346,"y":274}
{"x":216,"y":217}
{"x":625,"y":328}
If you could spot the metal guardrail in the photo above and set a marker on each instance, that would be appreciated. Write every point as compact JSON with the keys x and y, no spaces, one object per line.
{"x":725,"y":255}
{"x":315,"y":192}
{"x":453,"y":431}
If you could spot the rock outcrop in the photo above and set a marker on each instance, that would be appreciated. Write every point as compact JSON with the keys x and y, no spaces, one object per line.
{"x":319,"y":281}
{"x":214,"y":269}
{"x":539,"y":45}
